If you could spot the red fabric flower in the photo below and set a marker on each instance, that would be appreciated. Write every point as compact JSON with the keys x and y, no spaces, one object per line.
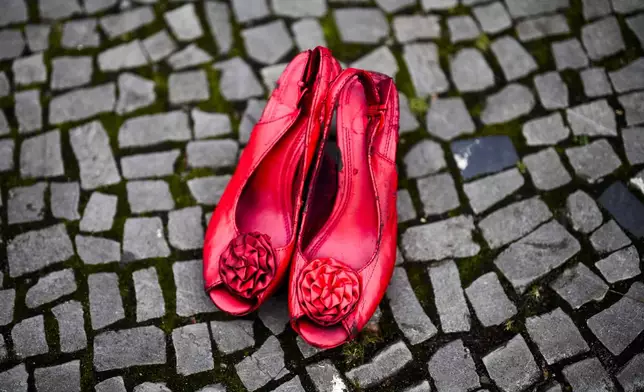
{"x":328,"y":290}
{"x":247,"y":265}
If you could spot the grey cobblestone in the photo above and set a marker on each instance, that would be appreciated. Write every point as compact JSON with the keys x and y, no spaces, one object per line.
{"x":189,"y":56}
{"x":379,"y":60}
{"x":512,"y":366}
{"x":247,"y":11}
{"x":71,"y":328}
{"x":325,"y":376}
{"x":512,"y":101}
{"x":190,"y":296}
{"x":449,"y":298}
{"x":105,"y":303}
{"x":595,"y":82}
{"x":470,"y":71}
{"x":588,"y":374}
{"x":513,"y":222}
{"x":129,"y":347}
{"x":15,"y":379}
{"x":159,"y":46}
{"x":583,"y":212}
{"x":266,"y":364}
{"x":208,"y":190}
{"x":490,"y":303}
{"x":82,"y":103}
{"x":28,"y":111}
{"x":488,"y":191}
{"x":405,"y":206}
{"x":546,"y":170}
{"x":11,"y":44}
{"x":7,"y":306}
{"x":267,"y":43}
{"x":436,"y":241}
{"x":80,"y":33}
{"x":578,"y":285}
{"x":448,"y":118}
{"x":543,"y":26}
{"x":632,"y":104}
{"x":184,"y":228}
{"x":6,"y":156}
{"x":51,"y":287}
{"x":569,"y":54}
{"x":424,"y":158}
{"x":29,"y":70}
{"x":28,"y":337}
{"x":384,"y":364}
{"x":232,"y":336}
{"x":33,"y":250}
{"x":218,"y":19}
{"x":135,"y":93}
{"x":71,"y":71}
{"x":237,"y":82}
{"x":361,"y":25}
{"x":193,"y":349}
{"x":492,"y":17}
{"x":99,"y":213}
{"x":64,"y":199}
{"x":308,"y":34}
{"x":27,"y":203}
{"x":59,"y":9}
{"x":514,"y":59}
{"x":593,"y":161}
{"x":148,"y":196}
{"x":409,"y":28}
{"x":602,"y":38}
{"x":452,"y":368}
{"x":149,"y":297}
{"x":66,"y":376}
{"x":621,"y":265}
{"x":114,"y":384}
{"x":188,"y":86}
{"x":556,"y":336}
{"x":149,"y":130}
{"x":553,"y":92}
{"x":143,"y":238}
{"x":425,"y":71}
{"x":274,"y":314}
{"x":631,"y":377}
{"x":125,"y":56}
{"x":437,"y":193}
{"x":462,"y":28}
{"x":97,"y":250}
{"x":118,"y":24}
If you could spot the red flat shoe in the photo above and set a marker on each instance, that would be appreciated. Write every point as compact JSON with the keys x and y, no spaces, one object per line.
{"x":346,"y":252}
{"x":251,"y":235}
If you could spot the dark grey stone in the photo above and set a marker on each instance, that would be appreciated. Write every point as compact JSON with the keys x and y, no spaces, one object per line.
{"x":190,"y":296}
{"x":143,"y":239}
{"x":593,"y":161}
{"x":64,"y":377}
{"x":602,"y":38}
{"x":5,"y":86}
{"x":515,"y":61}
{"x":7,"y":303}
{"x":97,"y":250}
{"x":583,"y":213}
{"x":483,"y":155}
{"x":521,"y":8}
{"x":193,"y":349}
{"x":29,"y":70}
{"x":569,"y":54}
{"x":509,"y":103}
{"x":238,"y":82}
{"x":546,"y":130}
{"x":384,"y":364}
{"x":105,"y":304}
{"x":129,"y":347}
{"x":125,"y":56}
{"x":462,"y":28}
{"x":266,"y":364}
{"x":546,"y":170}
{"x":621,"y":265}
{"x":449,"y":298}
{"x":361,"y":25}
{"x":379,"y":60}
{"x":492,"y":17}
{"x":267,"y":43}
{"x":64,"y":200}
{"x":424,"y":69}
{"x":596,"y":118}
{"x":188,"y":86}
{"x":293,"y":385}
{"x":448,"y":118}
{"x":31,"y":251}
{"x":185,"y":230}
{"x":593,"y":9}
{"x":470,"y":72}
{"x":212,"y":153}
{"x":625,"y":207}
{"x":208,"y":190}
{"x":408,"y":121}
{"x":326,"y":377}
{"x":407,"y":311}
{"x":274,"y":314}
{"x":135,"y":93}
{"x":71,"y":71}
{"x":609,"y":237}
{"x":210,"y":124}
{"x":490,"y":303}
{"x":149,"y":297}
{"x":82,"y":103}
{"x":4,"y":124}
{"x":542,"y":26}
{"x":405,"y":206}
{"x":99,"y":213}
{"x":114,"y":384}
{"x":246,"y":11}
{"x":553,"y":92}
{"x":556,"y":336}
{"x":51,"y":287}
{"x":631,"y":377}
{"x":486,"y":192}
{"x":234,"y":335}
{"x":306,"y":349}
{"x":28,"y":111}
{"x":71,"y":326}
{"x":150,"y":130}
{"x":11,"y":44}
{"x":512,"y":366}
{"x":438,"y":193}
{"x":253,"y":112}
{"x":633,"y":105}
{"x":15,"y":379}
{"x":94,"y":6}
{"x":308,"y":34}
{"x":148,"y":196}
{"x":159,"y":45}
{"x":80,"y":33}
{"x":26,"y":203}
{"x":439,"y":240}
{"x":184,"y":23}
{"x":588,"y":375}
{"x":409,"y":28}
{"x":189,"y":56}
{"x":58,"y":9}
{"x":15,"y":11}
{"x":218,"y":18}
{"x":453,"y":369}
{"x":595,"y":82}
{"x":28,"y":337}
{"x":6,"y":155}
{"x":627,"y":6}
{"x":115,"y":25}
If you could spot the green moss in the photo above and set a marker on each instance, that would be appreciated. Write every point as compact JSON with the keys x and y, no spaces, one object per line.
{"x":471,"y":268}
{"x":482,"y":42}
{"x":511,"y":129}
{"x":354,"y":351}
{"x":522,"y":168}
{"x":418,"y":106}
{"x":540,"y":50}
{"x":403,"y":78}
{"x":180,"y":192}
{"x":581,"y":140}
{"x":417,"y":275}
{"x":346,"y":52}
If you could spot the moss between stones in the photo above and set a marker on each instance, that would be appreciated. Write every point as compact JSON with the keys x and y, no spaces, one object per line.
{"x":345,"y":52}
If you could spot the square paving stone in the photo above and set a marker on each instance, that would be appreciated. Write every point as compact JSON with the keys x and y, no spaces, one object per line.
{"x":80,"y":33}
{"x":437,"y":193}
{"x":115,"y":25}
{"x":595,"y":118}
{"x":593,"y":9}
{"x":556,"y":336}
{"x":94,"y":6}
{"x":408,"y":121}
{"x":51,"y":287}
{"x":274,"y":314}
{"x":58,"y":9}
{"x":583,"y":213}
{"x":125,"y":56}
{"x":308,"y":34}
{"x":449,"y":297}
{"x":159,"y":46}
{"x":509,"y":103}
{"x":212,"y":153}
{"x":15,"y":379}
{"x":193,"y":349}
{"x":249,"y":10}
{"x":424,"y":68}
{"x":588,"y":375}
{"x":602,"y":38}
{"x":114,"y":384}
{"x":99,"y":213}
{"x":521,"y":8}
{"x":569,"y":54}
{"x":189,"y":56}
{"x":595,"y":82}
{"x":293,"y":385}
{"x":11,"y":44}
{"x":492,"y":17}
{"x":238,"y":82}
{"x":386,"y":363}
{"x":361,"y":25}
{"x":81,"y":104}
{"x":143,"y":238}
{"x":149,"y":297}
{"x":28,"y":337}
{"x":491,"y":305}
{"x":97,"y":250}
{"x":6,"y":154}
{"x":548,"y":130}
{"x":188,"y":86}
{"x":488,"y":191}
{"x":185,"y":230}
{"x":71,"y":71}
{"x":546,"y":170}
{"x":593,"y":161}
{"x":191,"y":297}
{"x":515,"y":61}
{"x":26,"y":203}
{"x":266,"y":364}
{"x":379,"y":60}
{"x":152,"y":387}
{"x":462,"y":28}
{"x":512,"y":366}
{"x":553,"y":92}
{"x":41,"y":156}
{"x":438,"y":4}
{"x":219,"y":22}
{"x":448,"y":118}
{"x":325,"y":376}
{"x":234,"y":335}
{"x":609,"y":237}
{"x":627,"y":209}
{"x":15,"y":12}
{"x":621,"y":265}
{"x":627,"y":6}
{"x":631,"y":377}
{"x":64,"y":198}
{"x":7,"y":302}
{"x":64,"y":377}
{"x":439,"y":240}
{"x":453,"y":369}
{"x":470,"y":71}
{"x":5,"y":86}
{"x":29,"y":70}
{"x":409,"y":28}
{"x":184,"y":23}
{"x":267,"y":43}
{"x":208,"y":124}
{"x":542,"y":26}
{"x":154,"y":164}
{"x":252,"y":114}
{"x":405,"y":206}
{"x":135,"y":93}
{"x":129,"y":347}
{"x":208,"y":190}
{"x":105,"y":303}
{"x":318,"y":8}
{"x":71,"y":326}
{"x":31,"y":251}
{"x":28,"y":111}
{"x":633,"y":105}
{"x":484,"y":155}
{"x":150,"y":130}
{"x":148,"y":196}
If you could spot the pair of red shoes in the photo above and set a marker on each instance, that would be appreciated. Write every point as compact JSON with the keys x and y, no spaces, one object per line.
{"x":342,"y":254}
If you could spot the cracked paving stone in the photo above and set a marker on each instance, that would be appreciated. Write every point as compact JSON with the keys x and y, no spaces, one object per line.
{"x":271,"y":75}
{"x":97,"y":250}
{"x":105,"y":303}
{"x":449,"y":298}
{"x":99,"y":213}
{"x":308,"y":34}
{"x":361,"y":25}
{"x":407,"y":310}
{"x":71,"y":326}
{"x":71,"y":71}
{"x":189,"y":56}
{"x":409,"y":28}
{"x":274,"y":314}
{"x":41,"y":156}
{"x":631,"y":377}
{"x":552,"y":91}
{"x":379,"y":60}
{"x":15,"y":11}
{"x":64,"y":377}
{"x":64,"y":200}
{"x":152,"y":387}
{"x":118,"y":24}
{"x":159,"y":46}
{"x":253,"y":112}
{"x":234,"y":335}
{"x":15,"y":379}
{"x":636,"y":24}
{"x":129,"y":347}
{"x":384,"y":364}
{"x":149,"y":297}
{"x":212,"y":153}
{"x":250,"y":10}
{"x":426,"y":157}
{"x":448,"y":118}
{"x":188,"y":86}
{"x":125,"y":56}
{"x":621,"y":265}
{"x":408,"y":121}
{"x":453,"y":369}
{"x":536,"y":254}
{"x":625,"y":207}
{"x":470,"y":72}
{"x":542,"y":26}
{"x":633,"y":105}
{"x":515,"y":61}
{"x":483,"y":155}
{"x":143,"y":239}
{"x":602,"y":38}
{"x":149,"y":195}
{"x":595,"y":82}
{"x":51,"y":287}
{"x":135,"y":92}
{"x":6,"y":155}
{"x":82,"y":103}
{"x":210,"y":124}
{"x":462,"y":28}
{"x":58,"y":9}
{"x":593,"y":161}
{"x":238,"y":82}
{"x":424,"y":68}
{"x":609,"y":237}
{"x":29,"y":70}
{"x":31,"y":251}
{"x":439,"y":240}
{"x":492,"y":17}
{"x":405,"y":206}
{"x":556,"y":336}
{"x":569,"y":54}
{"x":193,"y":349}
{"x":509,"y":103}
{"x":583,"y":213}
{"x":218,"y":19}
{"x":521,"y":8}
{"x":306,"y":349}
{"x":184,"y":23}
{"x":28,"y":111}
{"x":185,"y":231}
{"x":437,"y":193}
{"x":489,"y":301}
{"x":150,"y":130}
{"x":28,"y":337}
{"x":156,"y":164}
{"x":588,"y":375}
{"x":546,"y":130}
{"x":303,"y":8}
{"x":190,"y":296}
{"x":7,"y":302}
{"x":596,"y":118}
{"x":114,"y":384}
{"x":79,"y":34}
{"x":593,"y":9}
{"x":546,"y":170}
{"x":263,"y":366}
{"x":512,"y":366}
{"x":11,"y":44}
{"x":26,"y":203}
{"x":488,"y":191}
{"x":208,"y":190}
{"x":325,"y":377}
{"x":94,"y":6}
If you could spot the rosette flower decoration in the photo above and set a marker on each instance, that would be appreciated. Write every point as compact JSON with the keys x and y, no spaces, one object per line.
{"x":247,"y":266}
{"x":328,"y":291}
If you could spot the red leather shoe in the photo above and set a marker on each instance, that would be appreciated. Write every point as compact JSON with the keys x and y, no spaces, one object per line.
{"x":346,"y":253}
{"x":251,"y":235}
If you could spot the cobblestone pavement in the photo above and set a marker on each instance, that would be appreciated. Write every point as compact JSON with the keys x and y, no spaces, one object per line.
{"x":520,"y":202}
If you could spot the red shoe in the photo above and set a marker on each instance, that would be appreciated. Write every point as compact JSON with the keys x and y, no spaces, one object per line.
{"x":346,"y":253}
{"x":251,"y":235}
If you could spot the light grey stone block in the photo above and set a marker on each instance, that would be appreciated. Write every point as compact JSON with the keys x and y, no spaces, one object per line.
{"x":578,"y":285}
